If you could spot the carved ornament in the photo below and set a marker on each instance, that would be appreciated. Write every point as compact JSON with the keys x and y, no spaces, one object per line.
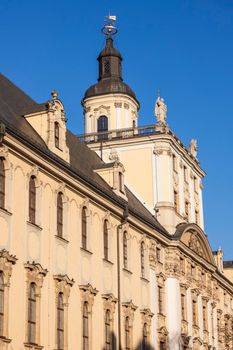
{"x":194,"y":244}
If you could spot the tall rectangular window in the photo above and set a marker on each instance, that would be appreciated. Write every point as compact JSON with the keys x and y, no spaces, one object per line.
{"x":1,"y":303}
{"x":160,"y":299}
{"x":183,"y":307}
{"x":85,"y":327}
{"x":2,"y":184}
{"x":32,"y":200}
{"x":32,"y":314}
{"x":60,"y":322}
{"x":204,"y":311}
{"x":84,"y":228}
{"x":194,"y":311}
{"x":59,"y":215}
{"x":125,"y":251}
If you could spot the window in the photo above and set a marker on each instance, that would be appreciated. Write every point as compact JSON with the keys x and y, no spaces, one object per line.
{"x":56,"y":134}
{"x":194,"y":309}
{"x":161,"y":345}
{"x":32,"y":200}
{"x":193,"y":271}
{"x":143,"y":259}
{"x":185,"y":174}
{"x":1,"y":303}
{"x":196,"y":217}
{"x":125,"y":250}
{"x":134,"y":124}
{"x":106,"y":239}
{"x":32,"y":313}
{"x":187,"y":209}
{"x":85,"y":326}
{"x":60,"y":322}
{"x":144,"y":337}
{"x":174,"y":163}
{"x":182,"y":265}
{"x":121,"y":182}
{"x":204,"y":311}
{"x":127,"y":334}
{"x":108,"y":340}
{"x":195,"y":183}
{"x":176,"y":201}
{"x":160,"y":299}
{"x":59,"y":215}
{"x":2,"y":183}
{"x":84,"y":228}
{"x":102,"y":127}
{"x":158,"y":254}
{"x":183,"y":314}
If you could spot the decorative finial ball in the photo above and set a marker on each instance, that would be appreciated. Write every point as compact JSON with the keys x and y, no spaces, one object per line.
{"x":54,"y":94}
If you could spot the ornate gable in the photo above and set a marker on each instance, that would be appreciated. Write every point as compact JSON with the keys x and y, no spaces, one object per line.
{"x":194,"y":238}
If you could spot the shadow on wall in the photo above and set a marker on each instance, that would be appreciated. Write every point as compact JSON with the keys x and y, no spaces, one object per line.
{"x":112,"y":345}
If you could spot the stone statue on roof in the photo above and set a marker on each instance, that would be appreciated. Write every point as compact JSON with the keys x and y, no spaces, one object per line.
{"x":193,"y":148}
{"x":161,"y":111}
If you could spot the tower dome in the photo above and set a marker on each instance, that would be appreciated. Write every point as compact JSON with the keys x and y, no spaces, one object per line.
{"x":110,"y":79}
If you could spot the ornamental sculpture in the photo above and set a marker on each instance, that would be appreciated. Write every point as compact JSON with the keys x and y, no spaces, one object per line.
{"x":193,"y":148}
{"x":194,"y":244}
{"x":161,"y":111}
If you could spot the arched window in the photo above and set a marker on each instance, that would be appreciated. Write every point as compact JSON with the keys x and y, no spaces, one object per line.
{"x":32,"y":200}
{"x":102,"y":125}
{"x":106,"y":239}
{"x":143,"y":259}
{"x":127,"y":334}
{"x":56,"y":134}
{"x":84,"y":228}
{"x":85,"y":326}
{"x":125,"y":250}
{"x":59,"y":215}
{"x":60,"y":322}
{"x":108,"y":337}
{"x":1,"y":303}
{"x":32,"y":313}
{"x":2,"y":183}
{"x":144,"y":337}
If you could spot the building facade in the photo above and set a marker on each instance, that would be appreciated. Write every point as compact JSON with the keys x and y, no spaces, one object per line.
{"x":97,"y":252}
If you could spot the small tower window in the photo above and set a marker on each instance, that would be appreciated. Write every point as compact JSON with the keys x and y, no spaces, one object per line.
{"x":121,"y":182}
{"x":102,"y":126}
{"x":56,"y":134}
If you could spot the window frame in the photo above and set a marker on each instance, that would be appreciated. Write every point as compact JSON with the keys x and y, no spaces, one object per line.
{"x":85,"y":327}
{"x":32,"y":313}
{"x":84,"y":228}
{"x":2,"y":183}
{"x":60,"y":215}
{"x":106,"y":240}
{"x":32,"y":200}
{"x":125,"y":250}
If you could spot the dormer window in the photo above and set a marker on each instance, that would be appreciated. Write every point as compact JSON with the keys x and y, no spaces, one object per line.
{"x":56,"y":134}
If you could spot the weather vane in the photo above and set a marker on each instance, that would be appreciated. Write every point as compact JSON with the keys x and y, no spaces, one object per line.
{"x":109,"y":29}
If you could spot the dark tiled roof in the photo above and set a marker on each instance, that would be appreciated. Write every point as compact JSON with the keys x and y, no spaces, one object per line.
{"x":228,"y":264}
{"x":14,"y":103}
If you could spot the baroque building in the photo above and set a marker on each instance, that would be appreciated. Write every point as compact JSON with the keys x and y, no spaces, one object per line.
{"x":95,"y":251}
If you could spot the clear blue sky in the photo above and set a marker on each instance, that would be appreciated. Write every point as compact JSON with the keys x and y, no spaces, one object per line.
{"x":182,"y":47}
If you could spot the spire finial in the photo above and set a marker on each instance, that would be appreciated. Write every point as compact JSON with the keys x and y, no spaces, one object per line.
{"x":109,"y":29}
{"x":158,"y":93}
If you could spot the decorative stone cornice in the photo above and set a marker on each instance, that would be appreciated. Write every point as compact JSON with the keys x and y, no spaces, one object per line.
{"x":62,"y":285}
{"x":109,"y":302}
{"x":88,"y":288}
{"x":35,"y":273}
{"x":146,"y":316}
{"x":6,"y":257}
{"x":128,"y":310}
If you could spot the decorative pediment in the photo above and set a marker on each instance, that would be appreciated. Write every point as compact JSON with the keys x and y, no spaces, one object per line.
{"x":195,"y":239}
